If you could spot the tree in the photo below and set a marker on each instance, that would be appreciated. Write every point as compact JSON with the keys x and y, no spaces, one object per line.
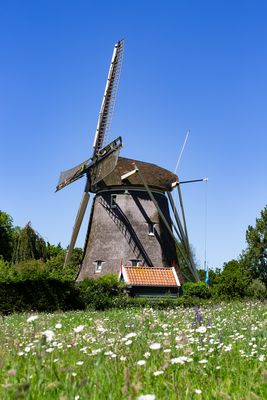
{"x":214,"y":275}
{"x":6,"y":236}
{"x":29,"y":245}
{"x":53,"y":250}
{"x":56,"y":268}
{"x":233,"y":280}
{"x":254,"y":258}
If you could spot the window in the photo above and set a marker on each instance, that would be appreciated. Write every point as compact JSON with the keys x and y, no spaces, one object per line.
{"x":151,"y":228}
{"x":98,"y":266}
{"x":113,"y":203}
{"x":135,"y":263}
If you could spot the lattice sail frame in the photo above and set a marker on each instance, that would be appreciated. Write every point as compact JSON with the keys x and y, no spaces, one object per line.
{"x":108,"y":102}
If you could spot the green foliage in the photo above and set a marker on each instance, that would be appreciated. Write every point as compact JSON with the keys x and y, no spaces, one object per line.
{"x":6,"y":236}
{"x":254,"y":257}
{"x":102,"y":293}
{"x":55,"y":265}
{"x":25,"y":270}
{"x":214,"y":276}
{"x":199,"y":289}
{"x":39,"y":295}
{"x":233,"y":281}
{"x":53,"y":250}
{"x":29,"y":245}
{"x":257,"y":290}
{"x":39,"y":269}
{"x":88,"y":357}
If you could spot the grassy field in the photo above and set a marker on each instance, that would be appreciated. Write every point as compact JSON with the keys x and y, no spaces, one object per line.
{"x":216,"y":352}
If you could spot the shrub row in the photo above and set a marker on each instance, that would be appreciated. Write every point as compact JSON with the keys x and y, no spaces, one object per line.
{"x":39,"y":295}
{"x":99,"y":294}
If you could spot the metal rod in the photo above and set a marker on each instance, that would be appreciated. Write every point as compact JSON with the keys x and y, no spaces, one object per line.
{"x":177,"y":219}
{"x":193,"y":180}
{"x":185,"y":238}
{"x":183,"y":213}
{"x":185,"y":229}
{"x":165,"y":221}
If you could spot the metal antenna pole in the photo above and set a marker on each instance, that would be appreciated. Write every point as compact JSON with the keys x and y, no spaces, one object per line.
{"x":205,"y":226}
{"x":181,"y":152}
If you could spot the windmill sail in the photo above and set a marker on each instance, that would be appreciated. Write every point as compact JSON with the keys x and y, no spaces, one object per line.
{"x":104,"y":159}
{"x":104,"y":168}
{"x":77,"y":225}
{"x":72,"y":174}
{"x":108,"y":102}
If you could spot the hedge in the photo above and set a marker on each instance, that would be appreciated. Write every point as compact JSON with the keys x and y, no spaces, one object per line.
{"x":39,"y":295}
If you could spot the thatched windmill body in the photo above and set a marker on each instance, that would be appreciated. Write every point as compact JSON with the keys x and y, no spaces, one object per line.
{"x":130,"y":221}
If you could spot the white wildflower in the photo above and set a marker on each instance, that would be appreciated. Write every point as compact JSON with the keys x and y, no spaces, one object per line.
{"x":147,"y":397}
{"x":167,"y":351}
{"x":262,"y":357}
{"x":147,"y":354}
{"x":49,"y":350}
{"x":155,"y":346}
{"x":130,"y":335}
{"x":79,"y":363}
{"x":204,"y":361}
{"x":20,"y":353}
{"x":198,"y":391}
{"x":201,"y":329}
{"x":128,"y":342}
{"x":58,"y":325}
{"x":32,"y":318}
{"x":177,"y":360}
{"x":157,"y":373}
{"x":27,"y":349}
{"x":78,"y":329}
{"x":48,"y":334}
{"x":141,"y":362}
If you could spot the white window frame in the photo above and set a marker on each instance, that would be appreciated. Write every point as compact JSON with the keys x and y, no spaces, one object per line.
{"x":151,"y":228}
{"x":113,"y":199}
{"x":135,"y":262}
{"x":98,"y":266}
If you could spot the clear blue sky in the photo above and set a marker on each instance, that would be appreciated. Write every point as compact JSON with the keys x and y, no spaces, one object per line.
{"x":188,"y":64}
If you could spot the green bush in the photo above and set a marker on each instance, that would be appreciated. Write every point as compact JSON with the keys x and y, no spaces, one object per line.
{"x":25,"y":270}
{"x":233,"y":281}
{"x":257,"y":290}
{"x":196,"y":290}
{"x":39,"y":295}
{"x":104,"y":292}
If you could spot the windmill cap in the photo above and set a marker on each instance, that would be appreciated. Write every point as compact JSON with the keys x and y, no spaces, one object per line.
{"x":155,"y":176}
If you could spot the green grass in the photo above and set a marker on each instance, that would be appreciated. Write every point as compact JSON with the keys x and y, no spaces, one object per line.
{"x":101,"y":361}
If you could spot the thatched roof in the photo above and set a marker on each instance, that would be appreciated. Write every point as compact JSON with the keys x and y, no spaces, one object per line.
{"x":155,"y":176}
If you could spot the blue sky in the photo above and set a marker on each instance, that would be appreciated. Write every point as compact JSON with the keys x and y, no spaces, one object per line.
{"x":198,"y":65}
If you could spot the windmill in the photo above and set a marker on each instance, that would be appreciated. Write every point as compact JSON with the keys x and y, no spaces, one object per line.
{"x":130,"y":220}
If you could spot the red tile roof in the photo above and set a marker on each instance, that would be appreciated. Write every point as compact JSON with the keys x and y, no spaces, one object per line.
{"x":150,"y":276}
